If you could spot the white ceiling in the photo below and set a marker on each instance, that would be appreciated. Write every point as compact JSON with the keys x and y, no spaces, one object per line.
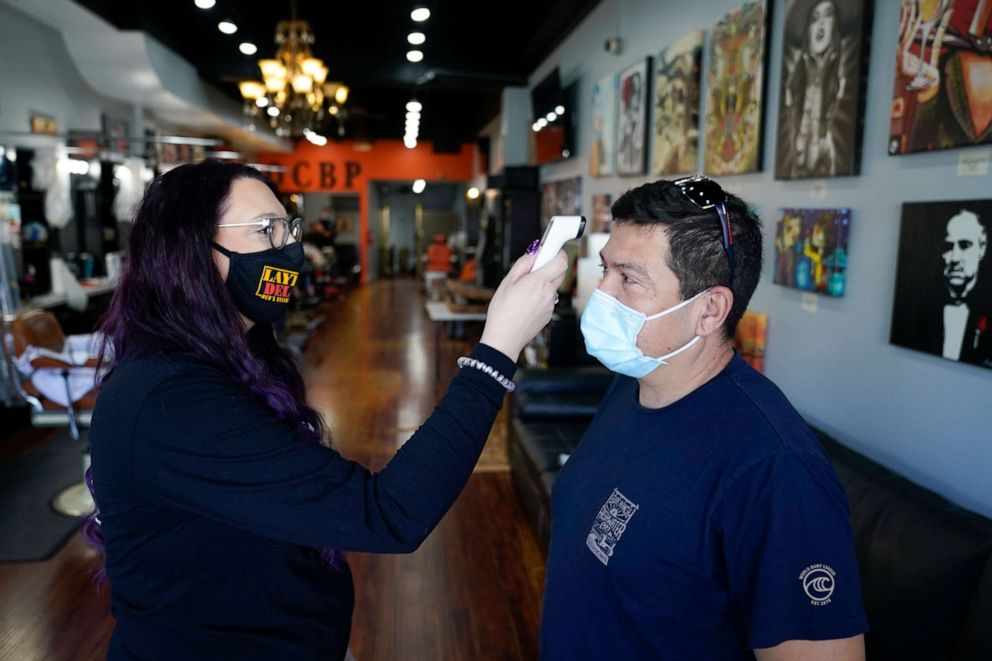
{"x":133,"y":68}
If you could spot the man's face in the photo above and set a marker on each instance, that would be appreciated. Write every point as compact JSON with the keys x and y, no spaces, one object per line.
{"x":821,"y":26}
{"x":964,"y":248}
{"x":635,"y":272}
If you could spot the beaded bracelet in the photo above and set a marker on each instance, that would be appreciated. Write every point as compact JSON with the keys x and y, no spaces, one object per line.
{"x":465,"y":361}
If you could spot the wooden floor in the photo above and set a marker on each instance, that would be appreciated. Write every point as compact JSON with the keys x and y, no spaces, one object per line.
{"x":472,"y":591}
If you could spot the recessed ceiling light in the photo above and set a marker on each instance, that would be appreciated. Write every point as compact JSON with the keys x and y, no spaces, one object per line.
{"x":248,"y":48}
{"x":262,"y":101}
{"x":273,"y":111}
{"x":415,"y":55}
{"x":419,"y":185}
{"x":205,"y":4}
{"x":560,"y":110}
{"x":227,"y":27}
{"x":416,"y":38}
{"x":414,"y":106}
{"x":420,"y":14}
{"x":551,"y":116}
{"x":409,"y":142}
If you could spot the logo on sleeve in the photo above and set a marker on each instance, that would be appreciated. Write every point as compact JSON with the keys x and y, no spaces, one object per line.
{"x":609,"y":525}
{"x":818,"y":583}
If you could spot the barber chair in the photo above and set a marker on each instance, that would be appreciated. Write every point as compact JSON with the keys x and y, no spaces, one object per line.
{"x":57,"y":378}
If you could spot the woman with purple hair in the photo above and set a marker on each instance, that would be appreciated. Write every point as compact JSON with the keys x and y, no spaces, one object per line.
{"x":222,"y":508}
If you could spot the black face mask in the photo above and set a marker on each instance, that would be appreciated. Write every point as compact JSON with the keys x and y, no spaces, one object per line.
{"x":260,"y":283}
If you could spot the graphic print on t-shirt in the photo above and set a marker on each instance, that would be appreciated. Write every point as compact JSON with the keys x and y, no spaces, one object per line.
{"x":818,"y":583}
{"x":610,"y":524}
{"x":275,"y":284}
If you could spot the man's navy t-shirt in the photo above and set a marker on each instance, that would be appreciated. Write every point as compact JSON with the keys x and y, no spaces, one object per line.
{"x":701,"y":530}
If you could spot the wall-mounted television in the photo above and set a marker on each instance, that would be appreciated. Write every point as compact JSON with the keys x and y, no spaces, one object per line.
{"x":553,"y":126}
{"x":546,"y":95}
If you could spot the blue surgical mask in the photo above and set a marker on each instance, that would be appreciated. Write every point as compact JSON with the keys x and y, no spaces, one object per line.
{"x":610,"y":329}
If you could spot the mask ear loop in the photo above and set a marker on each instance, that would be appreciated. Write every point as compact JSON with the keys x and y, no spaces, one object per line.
{"x":663,"y":360}
{"x":222,"y":250}
{"x":677,"y":307}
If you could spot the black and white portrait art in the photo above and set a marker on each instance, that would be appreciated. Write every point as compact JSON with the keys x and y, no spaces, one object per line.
{"x":943,"y":302}
{"x":633,"y":125}
{"x":821,"y":100}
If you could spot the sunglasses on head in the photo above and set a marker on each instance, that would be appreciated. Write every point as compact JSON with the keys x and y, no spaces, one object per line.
{"x":707,"y":194}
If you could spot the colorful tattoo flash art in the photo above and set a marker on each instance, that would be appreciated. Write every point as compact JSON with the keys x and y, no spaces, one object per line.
{"x":736,"y":91}
{"x":676,"y":107}
{"x":943,"y":86}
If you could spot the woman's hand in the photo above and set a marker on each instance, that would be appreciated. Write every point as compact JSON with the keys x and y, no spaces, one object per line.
{"x":523,"y":303}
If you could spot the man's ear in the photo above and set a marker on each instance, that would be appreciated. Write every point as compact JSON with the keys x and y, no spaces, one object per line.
{"x":717,"y":303}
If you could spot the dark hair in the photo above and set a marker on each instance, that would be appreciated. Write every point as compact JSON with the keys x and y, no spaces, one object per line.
{"x":695,"y":241}
{"x":171,"y":298}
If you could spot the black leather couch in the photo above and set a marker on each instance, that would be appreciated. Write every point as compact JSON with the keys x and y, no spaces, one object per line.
{"x":926,"y":564}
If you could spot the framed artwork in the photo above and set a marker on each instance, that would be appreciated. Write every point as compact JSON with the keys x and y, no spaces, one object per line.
{"x":751,"y":338}
{"x":676,"y":107}
{"x":603,"y":155}
{"x":632,"y":128}
{"x":736,"y":91}
{"x":561,"y":198}
{"x":116,"y":133}
{"x":44,"y":124}
{"x":943,"y":85}
{"x":345,"y":223}
{"x":602,"y":218}
{"x":811,"y":250}
{"x":822,"y":90}
{"x":943,"y":299}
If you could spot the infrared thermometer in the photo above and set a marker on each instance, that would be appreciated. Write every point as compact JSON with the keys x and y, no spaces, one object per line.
{"x":560,"y":229}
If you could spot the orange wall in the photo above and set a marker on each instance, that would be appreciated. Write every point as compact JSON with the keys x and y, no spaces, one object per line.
{"x":340,"y":168}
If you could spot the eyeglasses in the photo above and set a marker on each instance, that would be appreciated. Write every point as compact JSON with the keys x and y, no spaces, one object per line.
{"x":707,"y":194}
{"x":278,"y":229}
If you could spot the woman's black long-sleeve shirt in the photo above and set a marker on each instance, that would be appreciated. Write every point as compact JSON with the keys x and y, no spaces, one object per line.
{"x":211,"y":510}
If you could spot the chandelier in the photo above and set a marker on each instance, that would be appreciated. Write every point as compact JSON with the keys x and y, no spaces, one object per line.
{"x":295,"y":95}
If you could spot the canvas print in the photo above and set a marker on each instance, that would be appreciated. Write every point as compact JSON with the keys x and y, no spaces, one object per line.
{"x":632,"y":126}
{"x":943,"y":86}
{"x":735,"y":96}
{"x":943,"y":299}
{"x":561,"y":198}
{"x":116,"y":133}
{"x":676,"y":106}
{"x":811,"y":250}
{"x":821,"y":99}
{"x":602,"y":156}
{"x":602,"y":218}
{"x":751,"y":337}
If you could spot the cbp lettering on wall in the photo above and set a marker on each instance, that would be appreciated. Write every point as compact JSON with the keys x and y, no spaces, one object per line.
{"x":326,"y":176}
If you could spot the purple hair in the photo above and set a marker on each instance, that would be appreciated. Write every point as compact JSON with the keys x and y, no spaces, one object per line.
{"x":172,"y":299}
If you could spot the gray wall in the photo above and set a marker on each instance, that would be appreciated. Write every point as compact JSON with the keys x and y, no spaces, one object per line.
{"x":925,"y":417}
{"x":38,"y":75}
